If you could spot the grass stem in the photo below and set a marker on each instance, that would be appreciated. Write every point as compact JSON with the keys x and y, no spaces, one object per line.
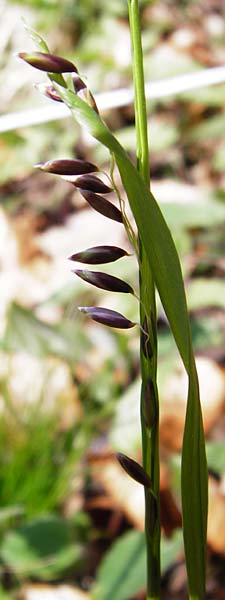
{"x":150,"y":436}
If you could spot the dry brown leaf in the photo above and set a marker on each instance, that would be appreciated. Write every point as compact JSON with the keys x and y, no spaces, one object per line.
{"x":53,"y":385}
{"x":216,"y":517}
{"x":25,"y":227}
{"x":126,"y":494}
{"x":48,"y":592}
{"x":174,"y":397}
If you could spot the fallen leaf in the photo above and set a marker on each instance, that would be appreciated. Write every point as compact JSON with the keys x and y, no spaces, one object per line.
{"x":48,"y":592}
{"x":126,"y":494}
{"x":216,"y":517}
{"x":174,"y":398}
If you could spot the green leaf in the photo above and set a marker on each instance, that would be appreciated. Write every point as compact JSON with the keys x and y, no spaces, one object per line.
{"x":203,"y":292}
{"x":26,"y":332}
{"x":42,"y":549}
{"x":10,"y":512}
{"x":211,"y":129}
{"x":122,"y":573}
{"x":215,"y":452}
{"x":171,"y":548}
{"x":207,"y":332}
{"x":208,"y":96}
{"x":218,"y":159}
{"x":125,"y":430}
{"x":163,"y":135}
{"x":4,"y":595}
{"x":204,"y":214}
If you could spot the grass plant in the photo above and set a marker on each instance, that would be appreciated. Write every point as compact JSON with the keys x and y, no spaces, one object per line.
{"x":159,"y":268}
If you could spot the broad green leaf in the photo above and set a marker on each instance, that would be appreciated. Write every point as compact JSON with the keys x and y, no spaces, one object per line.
{"x":204,"y":292}
{"x":4,"y":595}
{"x":171,"y":548}
{"x":207,"y":332}
{"x":166,"y":61}
{"x":215,"y":452}
{"x":10,"y":512}
{"x":125,"y":430}
{"x":44,"y":548}
{"x":200,"y":214}
{"x":26,"y":332}
{"x":162,"y":134}
{"x":218,"y":159}
{"x":211,"y":129}
{"x":122,"y":573}
{"x":208,"y":96}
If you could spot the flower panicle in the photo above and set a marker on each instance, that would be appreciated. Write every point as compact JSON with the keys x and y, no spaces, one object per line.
{"x":80,"y":174}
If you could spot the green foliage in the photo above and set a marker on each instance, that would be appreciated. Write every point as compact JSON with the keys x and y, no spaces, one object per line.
{"x":207,"y":214}
{"x":211,"y":128}
{"x":44,"y":549}
{"x":36,"y":447}
{"x":215,"y":452}
{"x":163,"y":136}
{"x":122,"y":573}
{"x":26,"y":332}
{"x":21,"y":149}
{"x":204,"y":292}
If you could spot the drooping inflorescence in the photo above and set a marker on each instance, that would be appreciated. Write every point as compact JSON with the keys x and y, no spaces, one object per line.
{"x":80,"y":174}
{"x":93,"y":189}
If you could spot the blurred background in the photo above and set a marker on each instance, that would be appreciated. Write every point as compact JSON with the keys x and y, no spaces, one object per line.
{"x":71,"y":522}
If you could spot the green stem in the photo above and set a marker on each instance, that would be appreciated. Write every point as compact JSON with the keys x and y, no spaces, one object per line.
{"x":149,"y":393}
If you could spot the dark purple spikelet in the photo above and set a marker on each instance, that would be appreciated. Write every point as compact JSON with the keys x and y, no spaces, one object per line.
{"x":50,"y":92}
{"x":99,"y":255}
{"x":92,"y":184}
{"x":107,"y":316}
{"x":103,"y":206}
{"x":104,"y":281}
{"x":133,"y":469}
{"x":83,"y":92}
{"x":48,"y":62}
{"x":78,"y":84}
{"x":66,"y":166}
